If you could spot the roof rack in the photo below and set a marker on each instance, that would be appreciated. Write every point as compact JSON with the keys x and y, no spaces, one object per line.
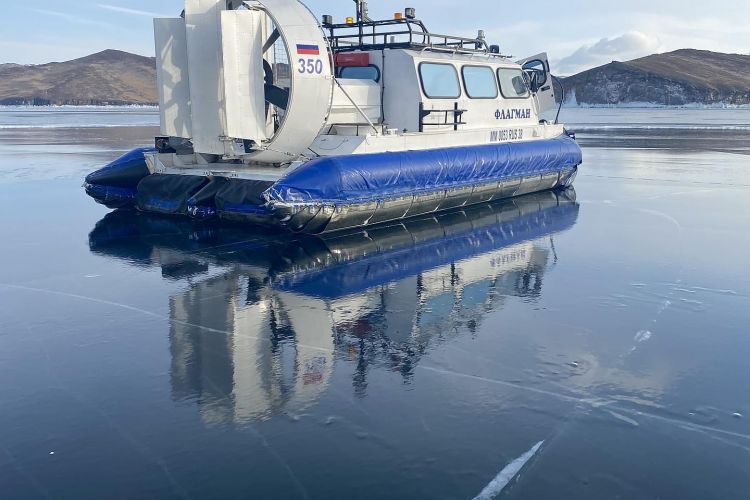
{"x":404,"y":33}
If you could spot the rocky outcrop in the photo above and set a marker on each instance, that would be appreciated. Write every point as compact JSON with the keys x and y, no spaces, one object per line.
{"x":110,"y":77}
{"x":676,"y":78}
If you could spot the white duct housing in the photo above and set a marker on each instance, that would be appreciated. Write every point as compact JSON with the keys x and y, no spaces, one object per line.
{"x":212,"y":82}
{"x":311,"y":81}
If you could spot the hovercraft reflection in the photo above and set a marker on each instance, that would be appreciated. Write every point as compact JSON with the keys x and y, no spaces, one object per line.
{"x":260,"y":333}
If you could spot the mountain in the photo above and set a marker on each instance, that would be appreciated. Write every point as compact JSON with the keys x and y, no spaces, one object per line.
{"x":108,"y":77}
{"x":672,"y":79}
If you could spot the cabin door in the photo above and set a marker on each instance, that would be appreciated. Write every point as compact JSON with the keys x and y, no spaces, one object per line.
{"x":540,"y":82}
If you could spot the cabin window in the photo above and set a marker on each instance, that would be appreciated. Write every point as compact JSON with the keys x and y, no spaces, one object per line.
{"x":512,"y":83}
{"x":440,"y":81}
{"x":479,"y":82}
{"x":360,"y":73}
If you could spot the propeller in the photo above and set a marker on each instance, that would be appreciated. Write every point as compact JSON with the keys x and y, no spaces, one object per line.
{"x":274,"y":95}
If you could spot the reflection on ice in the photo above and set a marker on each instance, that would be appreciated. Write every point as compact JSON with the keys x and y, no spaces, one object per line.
{"x":270,"y":360}
{"x":265,"y":318}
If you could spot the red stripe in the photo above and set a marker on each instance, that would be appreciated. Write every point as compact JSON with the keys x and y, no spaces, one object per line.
{"x":311,"y":52}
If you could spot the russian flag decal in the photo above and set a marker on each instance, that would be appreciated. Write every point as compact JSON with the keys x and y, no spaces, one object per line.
{"x":308,"y":50}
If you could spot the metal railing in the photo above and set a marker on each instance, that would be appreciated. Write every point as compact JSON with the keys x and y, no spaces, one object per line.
{"x":452,"y":117}
{"x":397,"y":34}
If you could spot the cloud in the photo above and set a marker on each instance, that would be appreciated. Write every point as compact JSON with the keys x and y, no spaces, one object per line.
{"x":71,"y":18}
{"x":125,"y":10}
{"x":630,"y":45}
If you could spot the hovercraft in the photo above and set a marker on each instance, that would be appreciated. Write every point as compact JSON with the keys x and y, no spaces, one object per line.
{"x":270,"y":117}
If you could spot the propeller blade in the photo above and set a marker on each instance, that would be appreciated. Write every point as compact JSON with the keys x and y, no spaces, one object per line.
{"x":271,"y":40}
{"x":277,"y":96}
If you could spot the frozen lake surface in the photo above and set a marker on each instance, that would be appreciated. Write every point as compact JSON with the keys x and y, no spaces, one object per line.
{"x":591,"y":345}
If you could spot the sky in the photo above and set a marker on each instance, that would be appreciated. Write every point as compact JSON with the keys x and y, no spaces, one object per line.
{"x":577,"y":34}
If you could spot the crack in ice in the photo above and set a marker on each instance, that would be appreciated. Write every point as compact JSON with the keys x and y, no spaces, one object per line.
{"x":506,"y":475}
{"x":591,"y":402}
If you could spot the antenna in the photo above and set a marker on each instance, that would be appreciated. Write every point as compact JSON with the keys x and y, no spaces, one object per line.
{"x":363,"y":14}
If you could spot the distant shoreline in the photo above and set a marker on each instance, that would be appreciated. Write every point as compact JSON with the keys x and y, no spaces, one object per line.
{"x":144,"y":107}
{"x":567,"y":105}
{"x":646,"y":105}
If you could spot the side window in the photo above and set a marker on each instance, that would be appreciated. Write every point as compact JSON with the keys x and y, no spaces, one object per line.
{"x":512,"y":83}
{"x":479,"y":82}
{"x":440,"y":81}
{"x":360,"y":73}
{"x":536,"y":74}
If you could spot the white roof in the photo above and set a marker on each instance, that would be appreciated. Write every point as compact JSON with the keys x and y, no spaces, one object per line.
{"x":458,"y":57}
